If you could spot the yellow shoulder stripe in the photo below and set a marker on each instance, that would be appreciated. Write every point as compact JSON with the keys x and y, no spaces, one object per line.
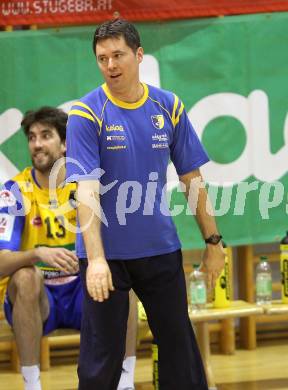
{"x":103,"y":108}
{"x":90,"y":110}
{"x":179,"y":113}
{"x":174,"y":109}
{"x":83,"y":114}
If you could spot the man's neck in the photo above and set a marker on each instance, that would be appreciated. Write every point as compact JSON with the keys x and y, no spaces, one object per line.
{"x":131,"y":95}
{"x":42,"y":178}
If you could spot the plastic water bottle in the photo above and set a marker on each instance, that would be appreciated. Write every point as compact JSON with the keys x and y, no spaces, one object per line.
{"x":198,"y":293}
{"x":263,"y":282}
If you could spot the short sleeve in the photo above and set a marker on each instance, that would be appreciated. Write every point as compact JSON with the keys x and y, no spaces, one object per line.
{"x":186,"y":151}
{"x":82,"y":155}
{"x":12,"y":216}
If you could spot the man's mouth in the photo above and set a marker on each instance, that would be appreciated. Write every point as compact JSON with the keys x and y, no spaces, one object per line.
{"x":39,"y":154}
{"x":114,"y":76}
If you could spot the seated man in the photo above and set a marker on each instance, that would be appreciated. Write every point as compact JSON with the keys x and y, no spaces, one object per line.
{"x":37,"y":235}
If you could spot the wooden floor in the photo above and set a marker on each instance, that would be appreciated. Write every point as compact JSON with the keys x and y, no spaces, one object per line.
{"x":266,"y":368}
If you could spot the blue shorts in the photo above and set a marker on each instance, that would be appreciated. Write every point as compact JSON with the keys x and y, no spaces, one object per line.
{"x":65,"y":301}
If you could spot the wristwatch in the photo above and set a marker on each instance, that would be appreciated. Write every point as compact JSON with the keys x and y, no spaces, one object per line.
{"x":214,"y":239}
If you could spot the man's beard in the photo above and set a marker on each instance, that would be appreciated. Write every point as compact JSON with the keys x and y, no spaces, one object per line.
{"x":44,"y":166}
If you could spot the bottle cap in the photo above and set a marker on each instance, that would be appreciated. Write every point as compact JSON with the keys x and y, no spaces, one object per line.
{"x":196,"y":265}
{"x":263,"y":258}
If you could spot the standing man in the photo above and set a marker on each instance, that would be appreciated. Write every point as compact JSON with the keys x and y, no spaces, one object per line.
{"x":35,"y":231}
{"x":121,"y":137}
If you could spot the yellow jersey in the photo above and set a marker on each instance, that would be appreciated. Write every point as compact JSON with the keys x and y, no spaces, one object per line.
{"x":31,"y":216}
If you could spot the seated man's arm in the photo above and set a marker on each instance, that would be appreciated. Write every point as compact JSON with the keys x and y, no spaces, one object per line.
{"x":11,"y":261}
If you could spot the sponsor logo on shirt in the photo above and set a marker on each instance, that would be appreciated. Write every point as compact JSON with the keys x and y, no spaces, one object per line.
{"x":158,"y":121}
{"x":7,"y":198}
{"x":160,"y":137}
{"x":37,"y":221}
{"x":6,"y":226}
{"x":116,"y":137}
{"x":114,"y":128}
{"x":116,"y":147}
{"x":160,"y":146}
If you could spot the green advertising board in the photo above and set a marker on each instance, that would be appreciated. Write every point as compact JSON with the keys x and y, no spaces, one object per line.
{"x":231,"y":74}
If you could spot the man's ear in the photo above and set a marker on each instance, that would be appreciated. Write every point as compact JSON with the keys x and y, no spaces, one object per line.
{"x":63,"y":147}
{"x":140,"y":54}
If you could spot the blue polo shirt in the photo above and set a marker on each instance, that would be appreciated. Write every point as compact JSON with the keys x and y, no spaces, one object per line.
{"x":128,"y":146}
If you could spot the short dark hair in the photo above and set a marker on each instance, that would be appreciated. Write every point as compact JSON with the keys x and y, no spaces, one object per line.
{"x":48,"y":116}
{"x":117,"y":28}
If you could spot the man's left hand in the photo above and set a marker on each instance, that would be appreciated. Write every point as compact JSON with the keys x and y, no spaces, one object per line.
{"x":213,"y":263}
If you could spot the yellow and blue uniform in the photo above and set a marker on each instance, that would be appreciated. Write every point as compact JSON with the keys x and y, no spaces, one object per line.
{"x":132,"y":144}
{"x":127,"y":146}
{"x":31,"y":216}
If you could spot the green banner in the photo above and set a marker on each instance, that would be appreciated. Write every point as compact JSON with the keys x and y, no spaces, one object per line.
{"x":231,"y":74}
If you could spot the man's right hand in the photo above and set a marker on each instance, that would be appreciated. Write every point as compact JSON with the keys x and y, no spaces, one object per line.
{"x":99,"y":279}
{"x":60,"y":258}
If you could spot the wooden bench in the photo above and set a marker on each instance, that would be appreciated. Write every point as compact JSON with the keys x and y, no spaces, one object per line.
{"x":276,"y":308}
{"x":200,"y":319}
{"x":247,"y":260}
{"x":60,"y":338}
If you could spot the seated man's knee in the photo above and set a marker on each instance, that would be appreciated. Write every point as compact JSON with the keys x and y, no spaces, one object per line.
{"x":25,"y":283}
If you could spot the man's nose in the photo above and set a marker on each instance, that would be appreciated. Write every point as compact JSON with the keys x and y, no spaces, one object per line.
{"x":111,"y":63}
{"x":38,"y":142}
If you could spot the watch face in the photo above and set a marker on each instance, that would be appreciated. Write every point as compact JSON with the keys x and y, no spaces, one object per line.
{"x":213,"y":239}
